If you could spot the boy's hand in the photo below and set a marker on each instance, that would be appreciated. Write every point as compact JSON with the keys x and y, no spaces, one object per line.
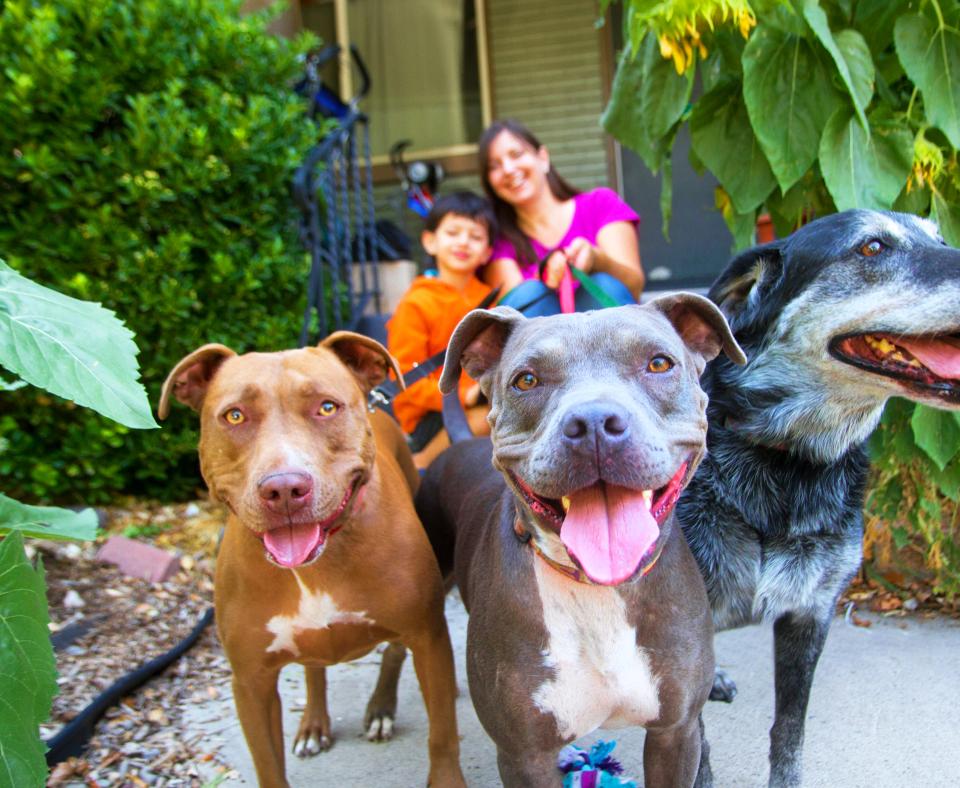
{"x":472,"y":395}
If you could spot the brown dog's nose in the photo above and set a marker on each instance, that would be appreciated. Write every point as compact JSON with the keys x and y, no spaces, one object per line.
{"x":286,"y":492}
{"x":596,"y":424}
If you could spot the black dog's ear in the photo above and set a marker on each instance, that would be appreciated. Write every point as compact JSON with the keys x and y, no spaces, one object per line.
{"x":477,"y":343}
{"x":738,"y":289}
{"x":702,"y":327}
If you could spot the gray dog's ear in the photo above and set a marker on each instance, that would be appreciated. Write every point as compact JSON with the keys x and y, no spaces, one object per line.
{"x":367,"y":359}
{"x":738,"y":289}
{"x":702,"y":327}
{"x":189,"y":380}
{"x":477,"y":344}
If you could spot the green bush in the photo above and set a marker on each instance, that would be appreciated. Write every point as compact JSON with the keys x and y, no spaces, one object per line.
{"x":147,"y":153}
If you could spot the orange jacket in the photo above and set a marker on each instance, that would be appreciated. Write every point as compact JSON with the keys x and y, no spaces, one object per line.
{"x":421,"y":326}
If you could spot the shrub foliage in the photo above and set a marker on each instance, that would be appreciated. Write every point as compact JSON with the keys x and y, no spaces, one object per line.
{"x":147,"y":147}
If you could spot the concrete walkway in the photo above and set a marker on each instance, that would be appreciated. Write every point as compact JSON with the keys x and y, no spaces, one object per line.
{"x":884,"y":712}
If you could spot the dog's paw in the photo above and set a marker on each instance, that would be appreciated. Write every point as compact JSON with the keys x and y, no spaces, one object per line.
{"x":380,"y":728}
{"x":309,"y":744}
{"x":724,"y":688}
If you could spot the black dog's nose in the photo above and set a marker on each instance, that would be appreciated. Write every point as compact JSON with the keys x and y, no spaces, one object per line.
{"x":596,"y":424}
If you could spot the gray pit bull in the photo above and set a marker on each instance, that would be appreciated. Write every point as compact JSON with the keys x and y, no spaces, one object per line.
{"x":586,"y":607}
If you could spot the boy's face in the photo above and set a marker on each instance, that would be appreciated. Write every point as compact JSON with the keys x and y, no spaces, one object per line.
{"x":459,"y":244}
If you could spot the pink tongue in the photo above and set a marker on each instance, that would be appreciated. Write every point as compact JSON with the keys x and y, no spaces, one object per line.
{"x":608,"y":530}
{"x":941,"y":358}
{"x":291,"y":545}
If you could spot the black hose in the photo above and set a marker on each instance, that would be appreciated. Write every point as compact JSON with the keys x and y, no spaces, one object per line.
{"x":73,"y":737}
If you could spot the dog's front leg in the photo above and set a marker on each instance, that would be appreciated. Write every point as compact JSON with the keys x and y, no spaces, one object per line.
{"x":528,"y":769}
{"x":798,"y":643}
{"x":314,"y":734}
{"x":382,"y":707}
{"x":258,"y":707}
{"x":672,"y":757}
{"x":433,"y":662}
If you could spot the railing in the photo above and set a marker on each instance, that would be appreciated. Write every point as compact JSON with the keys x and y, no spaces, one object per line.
{"x":333,"y":189}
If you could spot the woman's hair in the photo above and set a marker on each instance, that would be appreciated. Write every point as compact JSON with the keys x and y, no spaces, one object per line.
{"x":506,"y":214}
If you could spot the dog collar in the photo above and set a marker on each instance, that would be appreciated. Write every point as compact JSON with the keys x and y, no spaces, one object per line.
{"x":573,"y":572}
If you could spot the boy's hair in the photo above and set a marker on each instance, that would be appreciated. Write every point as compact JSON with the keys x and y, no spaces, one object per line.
{"x":463,"y":203}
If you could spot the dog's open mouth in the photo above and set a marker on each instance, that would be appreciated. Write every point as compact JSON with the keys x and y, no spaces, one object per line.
{"x":298,"y":544}
{"x":608,"y":530}
{"x":928,"y":363}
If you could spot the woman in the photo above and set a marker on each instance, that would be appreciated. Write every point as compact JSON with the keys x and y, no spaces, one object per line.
{"x":544,"y":220}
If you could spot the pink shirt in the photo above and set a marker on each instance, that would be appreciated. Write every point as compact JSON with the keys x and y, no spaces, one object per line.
{"x":592,"y":211}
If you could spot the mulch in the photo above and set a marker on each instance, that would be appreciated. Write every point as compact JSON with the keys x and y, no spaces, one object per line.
{"x":107,"y":624}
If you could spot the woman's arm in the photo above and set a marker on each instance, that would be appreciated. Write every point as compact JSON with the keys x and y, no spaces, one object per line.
{"x":502,"y":272}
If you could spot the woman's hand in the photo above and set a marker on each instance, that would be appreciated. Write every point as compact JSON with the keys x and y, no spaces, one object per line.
{"x":554,"y":268}
{"x":579,"y":253}
{"x":582,"y":254}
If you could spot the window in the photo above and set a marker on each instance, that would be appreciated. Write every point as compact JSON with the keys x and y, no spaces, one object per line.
{"x":427,"y":64}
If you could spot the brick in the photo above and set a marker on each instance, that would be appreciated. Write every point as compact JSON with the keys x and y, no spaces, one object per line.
{"x":139,"y":559}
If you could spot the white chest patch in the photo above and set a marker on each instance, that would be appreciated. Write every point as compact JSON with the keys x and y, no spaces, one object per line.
{"x":602,"y":679}
{"x":317,"y":610}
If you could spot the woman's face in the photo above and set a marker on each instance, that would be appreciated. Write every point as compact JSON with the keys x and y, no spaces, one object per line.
{"x":517,"y":172}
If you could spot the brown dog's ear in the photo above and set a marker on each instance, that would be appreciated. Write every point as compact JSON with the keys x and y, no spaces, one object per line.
{"x":702,"y":327}
{"x":477,"y":344}
{"x":191,"y":377}
{"x":366,"y":358}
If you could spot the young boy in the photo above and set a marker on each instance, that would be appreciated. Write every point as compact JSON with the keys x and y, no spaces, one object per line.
{"x":458,"y":233}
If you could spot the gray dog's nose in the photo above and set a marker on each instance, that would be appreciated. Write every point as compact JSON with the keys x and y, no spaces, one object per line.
{"x":596,"y":424}
{"x":286,"y":493}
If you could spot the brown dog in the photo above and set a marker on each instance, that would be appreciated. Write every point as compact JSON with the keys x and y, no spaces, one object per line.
{"x":323,"y":556}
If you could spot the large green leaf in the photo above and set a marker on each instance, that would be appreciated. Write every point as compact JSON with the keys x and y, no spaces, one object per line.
{"x":27,"y":667}
{"x":46,"y":522}
{"x":850,"y":54}
{"x":743,"y":228}
{"x":930,"y":54}
{"x":937,"y":433}
{"x":877,"y":18}
{"x":947,"y":215}
{"x":789,"y":96}
{"x":647,"y":99}
{"x":75,"y":349}
{"x":719,"y":125}
{"x":864,"y":171}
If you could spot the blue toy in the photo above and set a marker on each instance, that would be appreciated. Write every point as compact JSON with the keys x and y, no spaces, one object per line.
{"x":594,"y":769}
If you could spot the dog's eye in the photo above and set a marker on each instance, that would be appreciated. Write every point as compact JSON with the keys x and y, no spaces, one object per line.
{"x":234,"y":416}
{"x":872,"y":248}
{"x":659,"y":364}
{"x":526,"y":381}
{"x":328,"y":408}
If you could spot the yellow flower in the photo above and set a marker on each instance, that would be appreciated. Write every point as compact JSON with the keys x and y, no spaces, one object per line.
{"x":927,"y":162}
{"x":679,"y":25}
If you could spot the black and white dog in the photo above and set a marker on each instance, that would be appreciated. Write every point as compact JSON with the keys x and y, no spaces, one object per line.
{"x":848,"y":311}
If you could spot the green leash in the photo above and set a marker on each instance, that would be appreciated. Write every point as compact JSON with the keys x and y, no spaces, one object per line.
{"x":601,"y":297}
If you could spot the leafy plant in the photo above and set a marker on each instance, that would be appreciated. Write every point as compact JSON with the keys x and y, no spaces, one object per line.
{"x":801,"y":108}
{"x":82,"y":351}
{"x":149,"y":147}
